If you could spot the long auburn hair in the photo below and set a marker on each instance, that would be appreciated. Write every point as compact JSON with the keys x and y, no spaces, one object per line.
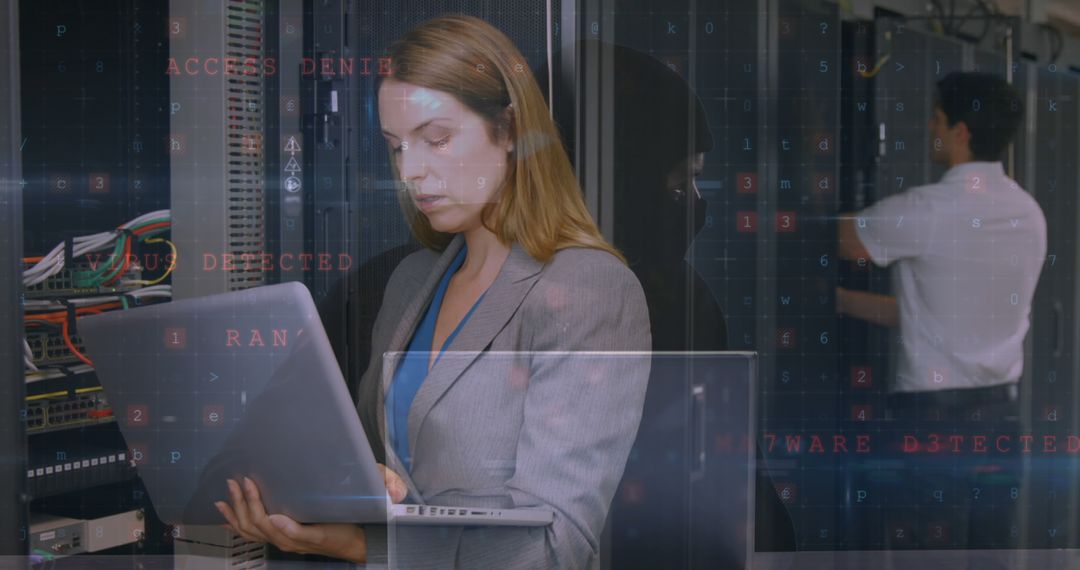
{"x":539,"y":204}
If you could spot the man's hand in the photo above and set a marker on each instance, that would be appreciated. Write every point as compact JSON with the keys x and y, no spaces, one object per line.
{"x":247,"y":517}
{"x":841,"y":301}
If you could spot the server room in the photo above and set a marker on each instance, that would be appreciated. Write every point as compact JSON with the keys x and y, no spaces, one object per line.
{"x":657,"y":284}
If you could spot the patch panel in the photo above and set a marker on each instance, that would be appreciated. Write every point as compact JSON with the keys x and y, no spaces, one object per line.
{"x":57,"y":414}
{"x":62,"y":284}
{"x":49,"y":348}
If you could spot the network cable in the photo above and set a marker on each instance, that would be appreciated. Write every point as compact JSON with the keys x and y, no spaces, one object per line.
{"x":42,"y":312}
{"x":145,"y":226}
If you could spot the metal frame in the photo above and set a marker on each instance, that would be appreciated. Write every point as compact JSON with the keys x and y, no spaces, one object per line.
{"x":329,"y":108}
{"x":768,"y":168}
{"x":1029,"y":183}
{"x":284,"y":221}
{"x":217,"y":148}
{"x":593,"y":151}
{"x":564,"y":75}
{"x":1074,"y":472}
{"x":14,"y":502}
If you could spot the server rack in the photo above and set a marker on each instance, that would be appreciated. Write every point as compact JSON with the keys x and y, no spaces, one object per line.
{"x":661,"y":518}
{"x":1052,"y":393}
{"x":902,"y":103}
{"x":89,"y":160}
{"x":899,"y":148}
{"x":801,"y":384}
{"x":765,"y":72}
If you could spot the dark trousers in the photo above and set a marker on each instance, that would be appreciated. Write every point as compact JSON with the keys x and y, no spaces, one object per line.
{"x":997,"y":404}
{"x":973,"y":481}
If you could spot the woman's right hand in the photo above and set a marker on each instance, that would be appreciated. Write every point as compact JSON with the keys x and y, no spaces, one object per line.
{"x":395,"y":485}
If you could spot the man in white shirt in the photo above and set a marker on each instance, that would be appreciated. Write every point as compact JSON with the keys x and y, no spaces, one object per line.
{"x":966,"y":255}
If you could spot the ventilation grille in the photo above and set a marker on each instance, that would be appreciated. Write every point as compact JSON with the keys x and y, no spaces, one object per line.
{"x":248,"y":556}
{"x":244,"y":142}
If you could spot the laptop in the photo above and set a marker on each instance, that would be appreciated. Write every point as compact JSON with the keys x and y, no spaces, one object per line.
{"x":246,"y":384}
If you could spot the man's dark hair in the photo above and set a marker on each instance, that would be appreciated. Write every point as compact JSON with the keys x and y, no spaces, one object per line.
{"x":987,"y":104}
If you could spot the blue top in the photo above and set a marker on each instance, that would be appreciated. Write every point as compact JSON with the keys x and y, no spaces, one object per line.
{"x":413,"y":368}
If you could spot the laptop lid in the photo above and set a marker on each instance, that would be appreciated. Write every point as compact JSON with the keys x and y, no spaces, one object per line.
{"x":237,"y":384}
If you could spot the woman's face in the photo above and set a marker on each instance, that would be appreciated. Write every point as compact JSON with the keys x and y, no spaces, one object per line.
{"x":447,"y":155}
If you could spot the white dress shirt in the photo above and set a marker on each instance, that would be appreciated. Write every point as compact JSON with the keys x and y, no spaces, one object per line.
{"x":966,"y":255}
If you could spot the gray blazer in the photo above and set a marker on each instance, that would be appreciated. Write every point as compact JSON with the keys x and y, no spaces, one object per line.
{"x":553,"y":438}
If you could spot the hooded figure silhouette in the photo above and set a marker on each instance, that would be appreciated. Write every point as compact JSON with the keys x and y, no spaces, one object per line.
{"x":660,"y":128}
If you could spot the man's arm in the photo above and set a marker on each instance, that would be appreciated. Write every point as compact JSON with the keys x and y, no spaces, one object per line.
{"x":848,"y":242}
{"x":873,"y":307}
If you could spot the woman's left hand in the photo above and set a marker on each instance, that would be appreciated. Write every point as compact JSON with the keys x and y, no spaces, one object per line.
{"x":247,"y":517}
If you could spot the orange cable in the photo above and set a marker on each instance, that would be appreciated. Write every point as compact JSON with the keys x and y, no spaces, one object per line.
{"x":71,"y":346}
{"x":151,"y":227}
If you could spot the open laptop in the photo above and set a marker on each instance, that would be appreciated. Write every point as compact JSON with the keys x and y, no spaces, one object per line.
{"x":246,"y":384}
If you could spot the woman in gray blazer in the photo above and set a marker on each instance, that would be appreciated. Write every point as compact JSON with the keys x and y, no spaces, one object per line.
{"x":513,"y":262}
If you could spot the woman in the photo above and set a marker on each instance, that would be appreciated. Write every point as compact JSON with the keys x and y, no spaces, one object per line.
{"x":513,"y":262}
